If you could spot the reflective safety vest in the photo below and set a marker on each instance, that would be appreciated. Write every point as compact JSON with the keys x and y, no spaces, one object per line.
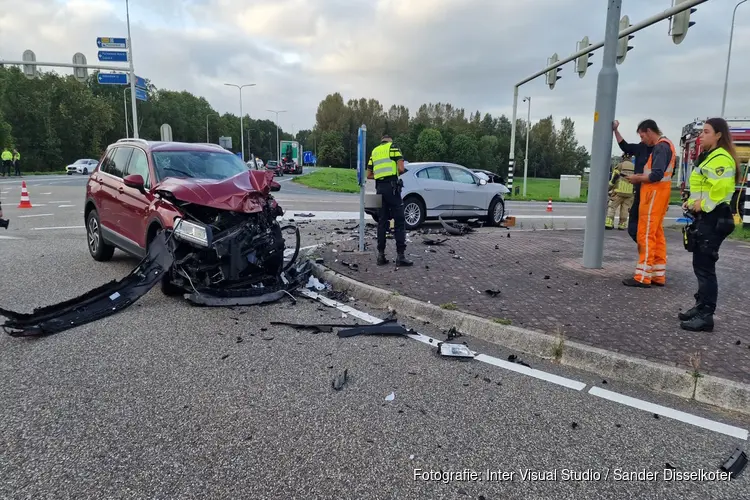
{"x":670,"y":168}
{"x":622,"y":186}
{"x":17,"y":156}
{"x":6,"y":155}
{"x":713,"y":181}
{"x":382,"y":163}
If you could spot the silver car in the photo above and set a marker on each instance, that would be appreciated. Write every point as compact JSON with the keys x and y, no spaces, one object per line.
{"x":447,"y":190}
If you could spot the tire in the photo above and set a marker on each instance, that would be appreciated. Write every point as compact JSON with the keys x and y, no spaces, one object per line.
{"x":414,"y":212}
{"x":100,"y":250}
{"x":496,"y":212}
{"x":85,"y":171}
{"x":70,"y":173}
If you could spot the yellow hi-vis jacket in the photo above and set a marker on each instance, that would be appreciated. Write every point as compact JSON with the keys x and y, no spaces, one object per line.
{"x":17,"y":156}
{"x":622,"y":186}
{"x":384,"y":160}
{"x":712,"y":181}
{"x":6,"y":155}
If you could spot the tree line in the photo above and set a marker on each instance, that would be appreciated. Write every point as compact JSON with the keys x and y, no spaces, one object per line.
{"x":54,"y":120}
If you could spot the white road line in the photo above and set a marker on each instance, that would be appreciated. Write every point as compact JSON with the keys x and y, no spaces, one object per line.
{"x":56,"y":227}
{"x":322,"y":215}
{"x":681,"y":416}
{"x":66,"y":206}
{"x":35,"y":215}
{"x":687,"y":418}
{"x":9,"y":238}
{"x":47,"y":194}
{"x":58,"y":201}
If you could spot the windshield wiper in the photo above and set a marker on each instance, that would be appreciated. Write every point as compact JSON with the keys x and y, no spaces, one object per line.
{"x":178,"y":171}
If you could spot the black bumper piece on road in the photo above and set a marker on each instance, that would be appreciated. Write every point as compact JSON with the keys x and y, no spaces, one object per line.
{"x":103,"y":301}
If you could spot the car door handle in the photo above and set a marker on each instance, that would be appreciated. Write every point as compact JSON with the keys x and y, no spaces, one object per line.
{"x":121,"y":189}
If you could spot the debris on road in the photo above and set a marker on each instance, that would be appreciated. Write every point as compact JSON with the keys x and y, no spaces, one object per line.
{"x":387,"y":327}
{"x":316,"y":328}
{"x":431,"y":242}
{"x":455,"y":229}
{"x":390,"y":397}
{"x":492,"y":293}
{"x":305,"y":215}
{"x":340,"y":380}
{"x":455,"y":350}
{"x":515,"y":359}
{"x":736,"y":463}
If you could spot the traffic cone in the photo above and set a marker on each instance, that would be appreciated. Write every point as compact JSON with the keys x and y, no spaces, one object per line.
{"x":549,"y":205}
{"x":25,"y":200}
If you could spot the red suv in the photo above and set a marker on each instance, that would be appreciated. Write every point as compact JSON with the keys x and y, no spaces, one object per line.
{"x":141,"y":187}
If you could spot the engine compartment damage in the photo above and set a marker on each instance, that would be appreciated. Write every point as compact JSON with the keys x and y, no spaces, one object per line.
{"x":212,"y":256}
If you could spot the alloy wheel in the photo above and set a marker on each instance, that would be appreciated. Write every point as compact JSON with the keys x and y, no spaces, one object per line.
{"x":412,"y":214}
{"x":93,"y":235}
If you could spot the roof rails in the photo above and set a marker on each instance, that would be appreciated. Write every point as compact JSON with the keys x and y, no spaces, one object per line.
{"x":142,"y":141}
{"x":211,"y":144}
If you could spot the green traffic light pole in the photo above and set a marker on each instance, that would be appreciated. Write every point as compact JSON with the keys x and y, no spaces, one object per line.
{"x":606,"y":100}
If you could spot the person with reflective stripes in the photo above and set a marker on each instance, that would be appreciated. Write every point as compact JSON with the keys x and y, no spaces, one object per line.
{"x":621,"y":194}
{"x":656,"y":189}
{"x":712,"y":186}
{"x":385,"y":165}
{"x":640,"y":153}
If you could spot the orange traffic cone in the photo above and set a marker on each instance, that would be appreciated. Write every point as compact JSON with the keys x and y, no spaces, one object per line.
{"x":25,"y":200}
{"x":549,"y":205}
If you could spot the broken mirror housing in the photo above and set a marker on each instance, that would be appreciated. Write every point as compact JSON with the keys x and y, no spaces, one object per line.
{"x":455,"y":350}
{"x":198,"y":234}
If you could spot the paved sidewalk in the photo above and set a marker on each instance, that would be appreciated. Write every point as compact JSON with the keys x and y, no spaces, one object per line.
{"x":545,"y":288}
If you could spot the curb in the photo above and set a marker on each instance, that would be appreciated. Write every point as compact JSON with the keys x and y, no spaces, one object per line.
{"x":715,"y":391}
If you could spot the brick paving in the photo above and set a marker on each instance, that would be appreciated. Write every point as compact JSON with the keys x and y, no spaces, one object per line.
{"x":544,"y":287}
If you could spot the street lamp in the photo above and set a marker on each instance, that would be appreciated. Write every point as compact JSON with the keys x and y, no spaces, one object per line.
{"x":278,"y":147}
{"x":207,"y":137}
{"x":125,"y":105}
{"x":526,"y":156}
{"x":132,"y":74}
{"x":729,"y":56}
{"x":242,"y":132}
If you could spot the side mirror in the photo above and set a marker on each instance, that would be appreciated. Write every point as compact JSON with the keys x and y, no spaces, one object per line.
{"x":482,"y":182}
{"x":135,"y":181}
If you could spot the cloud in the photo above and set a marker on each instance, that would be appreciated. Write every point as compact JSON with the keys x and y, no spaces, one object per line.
{"x":466,"y":52}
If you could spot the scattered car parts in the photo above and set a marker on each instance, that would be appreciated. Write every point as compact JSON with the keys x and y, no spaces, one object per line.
{"x":736,"y":463}
{"x":387,"y":327}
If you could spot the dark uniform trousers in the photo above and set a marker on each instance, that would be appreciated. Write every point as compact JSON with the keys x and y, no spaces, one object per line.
{"x":712,"y":229}
{"x":633,"y":219}
{"x":392,"y":208}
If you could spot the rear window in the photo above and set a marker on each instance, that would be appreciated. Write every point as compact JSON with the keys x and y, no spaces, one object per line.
{"x":197,"y":164}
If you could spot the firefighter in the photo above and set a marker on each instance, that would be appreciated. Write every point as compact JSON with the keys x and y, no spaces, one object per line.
{"x":385,"y":165}
{"x":656,"y":189}
{"x":712,"y":186}
{"x":621,"y":194}
{"x":640,"y":153}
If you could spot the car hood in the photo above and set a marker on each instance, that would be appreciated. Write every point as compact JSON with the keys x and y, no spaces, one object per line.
{"x":246,"y":192}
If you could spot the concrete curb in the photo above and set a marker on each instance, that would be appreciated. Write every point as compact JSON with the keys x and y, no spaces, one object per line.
{"x":725,"y":394}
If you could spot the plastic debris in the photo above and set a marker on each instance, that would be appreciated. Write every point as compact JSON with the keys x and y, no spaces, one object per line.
{"x":455,"y":350}
{"x":390,"y":397}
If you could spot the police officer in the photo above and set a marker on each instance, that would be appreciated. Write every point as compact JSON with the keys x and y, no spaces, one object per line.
{"x":7,"y":158}
{"x":385,"y":165}
{"x":17,"y":162}
{"x":712,"y":185}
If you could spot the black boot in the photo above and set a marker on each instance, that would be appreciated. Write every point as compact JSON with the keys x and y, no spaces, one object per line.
{"x":403,"y":261}
{"x":690,"y":313}
{"x":702,"y":322}
{"x":381,"y":259}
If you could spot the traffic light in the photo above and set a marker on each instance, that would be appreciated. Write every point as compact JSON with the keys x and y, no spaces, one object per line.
{"x":622,"y":44}
{"x":680,"y":23}
{"x":552,"y":74}
{"x":582,"y":63}
{"x":29,"y":70}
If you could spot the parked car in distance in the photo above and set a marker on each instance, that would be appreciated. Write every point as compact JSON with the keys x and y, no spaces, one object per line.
{"x":277,"y":169}
{"x":83,"y":166}
{"x":446,"y":190}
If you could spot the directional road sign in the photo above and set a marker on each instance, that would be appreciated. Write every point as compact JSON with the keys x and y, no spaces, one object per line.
{"x":141,"y":95}
{"x":112,"y":78}
{"x":140,"y":83}
{"x":113,"y":56}
{"x":111,"y":43}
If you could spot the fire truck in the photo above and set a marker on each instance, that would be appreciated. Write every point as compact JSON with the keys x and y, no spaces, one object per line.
{"x":690,"y":142}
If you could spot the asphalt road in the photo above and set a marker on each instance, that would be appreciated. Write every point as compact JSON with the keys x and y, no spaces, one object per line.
{"x":165,"y":400}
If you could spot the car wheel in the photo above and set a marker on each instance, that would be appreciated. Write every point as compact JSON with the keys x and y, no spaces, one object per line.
{"x":70,"y":173}
{"x":414,"y":212}
{"x":99,"y":249}
{"x":85,"y":171}
{"x":496,"y":212}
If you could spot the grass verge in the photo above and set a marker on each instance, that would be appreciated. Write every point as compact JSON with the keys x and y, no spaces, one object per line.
{"x":339,"y":180}
{"x":544,"y":189}
{"x":740,"y":233}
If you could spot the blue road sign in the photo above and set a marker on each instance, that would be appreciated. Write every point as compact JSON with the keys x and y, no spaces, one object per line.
{"x":140,"y":83}
{"x":238,"y":154}
{"x":113,"y":56}
{"x":361,"y":164}
{"x":307,"y":157}
{"x":141,"y":95}
{"x":112,"y":78}
{"x":105,"y":42}
{"x":314,"y":160}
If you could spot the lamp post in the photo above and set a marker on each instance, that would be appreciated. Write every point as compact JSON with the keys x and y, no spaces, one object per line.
{"x":526,"y":156}
{"x":125,"y":105}
{"x":242,"y":132}
{"x":278,"y":147}
{"x":729,"y":57}
{"x":132,"y":73}
{"x":209,"y":114}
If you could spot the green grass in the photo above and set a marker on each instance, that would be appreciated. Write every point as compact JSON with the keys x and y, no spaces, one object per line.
{"x":740,"y":233}
{"x":42,"y":173}
{"x":340,"y":180}
{"x":544,"y":189}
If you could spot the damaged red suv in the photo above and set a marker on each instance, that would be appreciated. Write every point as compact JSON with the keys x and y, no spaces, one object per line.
{"x":218,"y":212}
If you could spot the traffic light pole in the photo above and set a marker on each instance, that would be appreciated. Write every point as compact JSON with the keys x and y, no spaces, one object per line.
{"x":681,"y":7}
{"x":601,"y":149}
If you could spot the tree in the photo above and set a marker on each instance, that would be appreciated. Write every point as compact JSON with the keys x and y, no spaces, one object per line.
{"x":331,"y":150}
{"x":489,"y":153}
{"x":332,"y":114}
{"x":464,"y":151}
{"x":430,"y":146}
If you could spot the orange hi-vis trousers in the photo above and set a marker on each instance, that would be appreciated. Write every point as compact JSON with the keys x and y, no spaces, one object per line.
{"x":652,"y":245}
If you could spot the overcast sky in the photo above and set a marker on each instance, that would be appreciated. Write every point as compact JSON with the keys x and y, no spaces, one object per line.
{"x":466,"y":52}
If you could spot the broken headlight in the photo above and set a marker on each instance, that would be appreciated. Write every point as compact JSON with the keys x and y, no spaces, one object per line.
{"x":191,"y":232}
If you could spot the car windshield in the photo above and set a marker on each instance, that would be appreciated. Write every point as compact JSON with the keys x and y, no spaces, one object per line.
{"x":272,"y":163}
{"x":198,"y":164}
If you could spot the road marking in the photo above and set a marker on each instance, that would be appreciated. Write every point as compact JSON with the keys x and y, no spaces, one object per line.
{"x":47,"y":194}
{"x":35,"y":215}
{"x":66,"y":206}
{"x":681,"y":416}
{"x":687,"y":418}
{"x":56,"y":227}
{"x":60,"y":201}
{"x":9,"y":238}
{"x":323,"y":215}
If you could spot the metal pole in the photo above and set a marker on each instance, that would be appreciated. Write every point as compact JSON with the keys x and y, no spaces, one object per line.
{"x":512,"y":155}
{"x":526,"y":156}
{"x":601,"y":148}
{"x":361,"y":166}
{"x":125,"y":105}
{"x":242,"y":130}
{"x":729,"y":57}
{"x":132,"y":74}
{"x":207,"y":139}
{"x":278,"y":146}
